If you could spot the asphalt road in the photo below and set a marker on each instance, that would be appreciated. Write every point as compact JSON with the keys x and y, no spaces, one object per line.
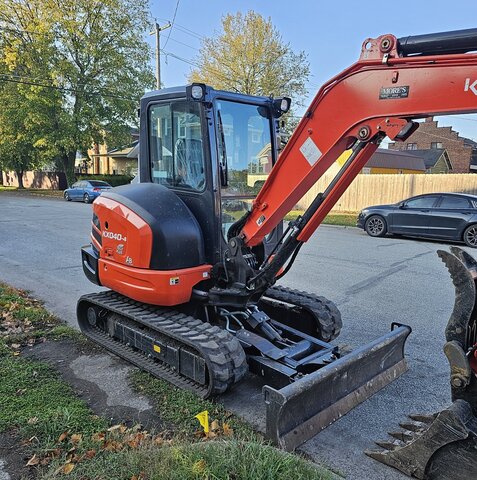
{"x":374,"y":281}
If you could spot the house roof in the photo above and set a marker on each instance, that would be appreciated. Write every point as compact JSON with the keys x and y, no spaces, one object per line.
{"x":402,"y":160}
{"x":468,"y":141}
{"x":431,"y":156}
{"x":122,"y":151}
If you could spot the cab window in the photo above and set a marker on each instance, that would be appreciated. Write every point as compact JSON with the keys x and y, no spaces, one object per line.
{"x":176,"y":147}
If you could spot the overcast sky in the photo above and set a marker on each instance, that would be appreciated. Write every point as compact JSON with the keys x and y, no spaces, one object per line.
{"x":330,"y":32}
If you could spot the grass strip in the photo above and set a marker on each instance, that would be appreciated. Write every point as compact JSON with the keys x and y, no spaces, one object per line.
{"x":33,"y":191}
{"x":63,"y":437}
{"x":347,"y":219}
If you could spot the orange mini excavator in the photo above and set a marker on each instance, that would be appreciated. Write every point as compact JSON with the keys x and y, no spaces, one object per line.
{"x":192,"y":253}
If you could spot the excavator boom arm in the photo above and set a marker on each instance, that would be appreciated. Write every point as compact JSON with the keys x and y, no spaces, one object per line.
{"x":394,"y":82}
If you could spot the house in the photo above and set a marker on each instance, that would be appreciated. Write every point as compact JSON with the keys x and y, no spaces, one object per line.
{"x":394,"y":162}
{"x":436,"y":160}
{"x":385,"y":161}
{"x":462,"y":152}
{"x":118,"y":161}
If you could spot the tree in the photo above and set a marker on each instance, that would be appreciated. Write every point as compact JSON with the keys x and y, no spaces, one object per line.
{"x":249,"y":56}
{"x":26,"y":108}
{"x":100,"y":65}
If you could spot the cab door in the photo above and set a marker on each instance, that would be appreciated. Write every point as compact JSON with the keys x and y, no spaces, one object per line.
{"x":246,"y":148}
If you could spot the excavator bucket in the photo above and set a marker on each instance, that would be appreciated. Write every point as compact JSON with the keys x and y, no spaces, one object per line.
{"x":444,"y":445}
{"x":297,"y":412}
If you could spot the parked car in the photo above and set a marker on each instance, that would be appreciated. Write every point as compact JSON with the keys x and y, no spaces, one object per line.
{"x":448,"y":216}
{"x":86,"y":190}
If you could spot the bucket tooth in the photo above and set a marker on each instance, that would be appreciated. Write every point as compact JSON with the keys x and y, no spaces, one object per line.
{"x":387,"y":445}
{"x":423,"y":418}
{"x":403,"y":435}
{"x":378,"y":455}
{"x":413,"y":426}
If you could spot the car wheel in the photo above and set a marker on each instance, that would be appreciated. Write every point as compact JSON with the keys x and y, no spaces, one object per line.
{"x":86,"y":198}
{"x":67,"y":197}
{"x":470,"y":236}
{"x":375,"y":226}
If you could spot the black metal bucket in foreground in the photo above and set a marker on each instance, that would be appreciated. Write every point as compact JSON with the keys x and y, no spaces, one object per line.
{"x":299,"y":411}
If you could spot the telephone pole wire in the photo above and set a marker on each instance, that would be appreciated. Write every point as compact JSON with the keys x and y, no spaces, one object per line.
{"x":157,"y":32}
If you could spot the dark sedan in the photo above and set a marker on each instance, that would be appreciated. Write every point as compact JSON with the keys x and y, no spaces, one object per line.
{"x":447,"y":216}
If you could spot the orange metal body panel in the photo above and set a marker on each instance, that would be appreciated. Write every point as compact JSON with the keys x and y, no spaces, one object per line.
{"x":156,"y":287}
{"x":127,"y":238}
{"x":436,"y":85}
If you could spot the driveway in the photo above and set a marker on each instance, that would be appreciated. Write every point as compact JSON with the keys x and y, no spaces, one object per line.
{"x":374,"y":281}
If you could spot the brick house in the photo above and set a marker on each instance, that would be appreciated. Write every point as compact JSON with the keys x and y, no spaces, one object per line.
{"x":462,"y":152}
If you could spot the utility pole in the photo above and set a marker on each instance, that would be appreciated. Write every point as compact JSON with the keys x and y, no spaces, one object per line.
{"x":157,"y":31}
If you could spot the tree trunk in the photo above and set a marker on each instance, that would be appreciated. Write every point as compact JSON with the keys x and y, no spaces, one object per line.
{"x":1,"y":177}
{"x":20,"y":178}
{"x":68,"y":160}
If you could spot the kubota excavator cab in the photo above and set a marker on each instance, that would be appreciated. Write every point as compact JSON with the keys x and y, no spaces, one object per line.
{"x":211,"y":149}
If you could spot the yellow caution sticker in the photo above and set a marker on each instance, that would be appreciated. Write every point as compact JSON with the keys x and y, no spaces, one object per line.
{"x":157,"y":348}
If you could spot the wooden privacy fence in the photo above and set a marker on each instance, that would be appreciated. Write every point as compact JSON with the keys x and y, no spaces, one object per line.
{"x":367,"y":190}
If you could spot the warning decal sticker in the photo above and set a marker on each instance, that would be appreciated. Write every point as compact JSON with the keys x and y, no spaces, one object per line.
{"x":310,"y":151}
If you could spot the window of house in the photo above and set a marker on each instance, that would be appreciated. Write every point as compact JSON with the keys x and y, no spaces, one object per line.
{"x":454,"y":202}
{"x":411,"y":146}
{"x":436,"y":145}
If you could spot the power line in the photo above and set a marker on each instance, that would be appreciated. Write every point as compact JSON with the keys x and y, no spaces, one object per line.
{"x":185,"y":44}
{"x":15,"y":79}
{"x":172,"y":23}
{"x":184,"y":29}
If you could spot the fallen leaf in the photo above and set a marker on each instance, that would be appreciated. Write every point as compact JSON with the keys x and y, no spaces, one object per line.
{"x":89,"y":454}
{"x":214,"y":425}
{"x":158,"y":440}
{"x":98,"y":437}
{"x":63,"y":437}
{"x":15,"y":346}
{"x":76,"y":438}
{"x":33,"y":461}
{"x":228,"y":431}
{"x":15,"y":354}
{"x":67,"y":468}
{"x":32,"y":420}
{"x":113,"y":446}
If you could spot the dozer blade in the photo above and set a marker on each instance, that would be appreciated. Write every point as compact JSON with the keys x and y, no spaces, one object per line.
{"x":299,"y":411}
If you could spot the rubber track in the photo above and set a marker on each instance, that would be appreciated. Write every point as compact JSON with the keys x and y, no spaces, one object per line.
{"x":324,"y":310}
{"x":224,"y":356}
